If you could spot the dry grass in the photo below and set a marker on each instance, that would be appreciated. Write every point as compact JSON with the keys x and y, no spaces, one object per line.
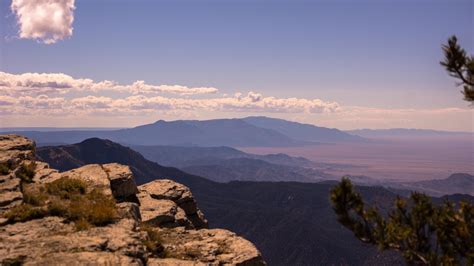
{"x":25,"y":212}
{"x":66,"y":187}
{"x":66,"y":198}
{"x":26,"y":172}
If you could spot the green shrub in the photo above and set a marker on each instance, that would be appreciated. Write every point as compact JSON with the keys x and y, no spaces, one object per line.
{"x":35,"y":198}
{"x":5,"y":168}
{"x":66,"y":198}
{"x":82,"y":224}
{"x":24,"y":212}
{"x":26,"y":172}
{"x":66,"y":187}
{"x":57,"y":207}
{"x":95,"y":208}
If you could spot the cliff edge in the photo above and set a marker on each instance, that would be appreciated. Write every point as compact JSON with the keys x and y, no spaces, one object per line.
{"x":96,"y":215}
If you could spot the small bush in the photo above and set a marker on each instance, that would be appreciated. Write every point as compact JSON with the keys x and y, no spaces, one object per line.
{"x":102,"y":208}
{"x":24,"y":212}
{"x":66,"y":198}
{"x":66,"y":187}
{"x":26,"y":172}
{"x":93,"y":208}
{"x":35,"y":198}
{"x":5,"y":168}
{"x":58,"y":207}
{"x":82,"y":224}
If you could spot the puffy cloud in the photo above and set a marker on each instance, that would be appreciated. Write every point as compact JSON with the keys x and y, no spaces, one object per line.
{"x":140,"y":86}
{"x":47,"y":21}
{"x":59,"y":97}
{"x":59,"y":83}
{"x":57,"y":93}
{"x":249,"y":103}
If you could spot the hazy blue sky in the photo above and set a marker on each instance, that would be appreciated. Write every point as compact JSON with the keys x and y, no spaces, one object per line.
{"x":380,"y":58}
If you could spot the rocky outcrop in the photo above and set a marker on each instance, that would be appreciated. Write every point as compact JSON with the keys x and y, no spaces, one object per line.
{"x":13,"y":151}
{"x":158,"y":223}
{"x":165,"y":202}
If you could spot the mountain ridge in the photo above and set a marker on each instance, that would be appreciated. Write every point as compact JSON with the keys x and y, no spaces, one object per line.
{"x":270,"y":214}
{"x":234,"y":132}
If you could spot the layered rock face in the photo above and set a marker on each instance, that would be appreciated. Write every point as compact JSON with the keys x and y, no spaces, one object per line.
{"x":158,"y":223}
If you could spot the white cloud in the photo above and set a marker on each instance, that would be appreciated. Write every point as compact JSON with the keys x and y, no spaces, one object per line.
{"x":59,"y":83}
{"x":57,"y":92}
{"x":56,"y":96}
{"x":248,"y":103}
{"x":47,"y":21}
{"x":140,"y":86}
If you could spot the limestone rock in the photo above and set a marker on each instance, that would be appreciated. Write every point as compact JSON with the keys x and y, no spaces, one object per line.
{"x":10,"y":183}
{"x":14,"y":147}
{"x":121,"y":180}
{"x":44,"y":237}
{"x":129,"y":210}
{"x":44,"y":174}
{"x":84,"y":258}
{"x":210,"y":246}
{"x":14,"y":142}
{"x":152,"y":193}
{"x":162,"y":212}
{"x":93,"y":174}
{"x":173,"y":262}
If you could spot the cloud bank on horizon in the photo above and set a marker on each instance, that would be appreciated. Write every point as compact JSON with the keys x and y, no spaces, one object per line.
{"x":57,"y":99}
{"x":61,"y":94}
{"x":46,"y":21}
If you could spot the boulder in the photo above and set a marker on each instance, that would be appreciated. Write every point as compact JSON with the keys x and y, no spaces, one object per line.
{"x":15,"y":147}
{"x":121,"y":180}
{"x":45,"y":237}
{"x":162,"y":212}
{"x":209,"y":246}
{"x":93,"y":174}
{"x":84,"y":258}
{"x":129,"y":210}
{"x":164,"y":189}
{"x":45,"y":174}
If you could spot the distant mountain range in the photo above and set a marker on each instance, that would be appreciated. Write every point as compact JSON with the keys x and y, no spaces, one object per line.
{"x":297,"y":216}
{"x":182,"y":156}
{"x":407,"y":133}
{"x":304,"y":132}
{"x":224,"y":164}
{"x":251,"y":131}
{"x":460,"y":183}
{"x":245,"y":169}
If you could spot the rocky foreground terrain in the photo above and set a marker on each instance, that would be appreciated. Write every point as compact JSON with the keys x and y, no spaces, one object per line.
{"x":96,"y":215}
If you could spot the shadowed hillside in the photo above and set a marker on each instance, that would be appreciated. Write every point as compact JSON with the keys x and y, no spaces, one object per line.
{"x":296,"y":216}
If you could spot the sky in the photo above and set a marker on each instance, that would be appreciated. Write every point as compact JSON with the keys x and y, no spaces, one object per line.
{"x":344,"y":64}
